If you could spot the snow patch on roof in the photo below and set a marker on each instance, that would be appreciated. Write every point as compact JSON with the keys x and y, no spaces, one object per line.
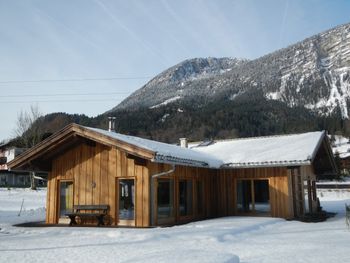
{"x":284,"y":150}
{"x":166,"y":153}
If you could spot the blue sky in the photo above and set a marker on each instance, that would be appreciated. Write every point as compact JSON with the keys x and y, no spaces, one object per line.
{"x":111,"y":48}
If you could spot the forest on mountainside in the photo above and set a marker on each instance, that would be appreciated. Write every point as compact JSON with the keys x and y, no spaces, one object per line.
{"x":247,"y":116}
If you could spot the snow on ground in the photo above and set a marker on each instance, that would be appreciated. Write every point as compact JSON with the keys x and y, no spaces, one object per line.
{"x":344,"y":180}
{"x":33,"y":208}
{"x":229,"y":239}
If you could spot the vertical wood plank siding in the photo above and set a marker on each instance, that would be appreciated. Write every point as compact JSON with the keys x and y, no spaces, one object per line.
{"x":278,"y":188}
{"x":95,"y":169}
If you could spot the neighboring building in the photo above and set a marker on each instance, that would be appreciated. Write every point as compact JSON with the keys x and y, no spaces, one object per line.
{"x":8,"y":154}
{"x":11,"y":178}
{"x":148,"y":183}
{"x":18,"y":178}
{"x":341,"y":146}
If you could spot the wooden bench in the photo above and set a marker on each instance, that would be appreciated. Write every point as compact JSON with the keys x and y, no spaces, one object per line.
{"x":347,"y":215}
{"x":88,"y":211}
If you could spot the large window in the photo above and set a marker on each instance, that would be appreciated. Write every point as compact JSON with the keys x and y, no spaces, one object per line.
{"x":3,"y":179}
{"x":310,"y":195}
{"x":261,"y":196}
{"x":126,"y":199}
{"x":200,"y":197}
{"x":185,"y":197}
{"x":253,"y":196}
{"x":244,"y":196}
{"x":66,"y":197}
{"x":165,"y":198}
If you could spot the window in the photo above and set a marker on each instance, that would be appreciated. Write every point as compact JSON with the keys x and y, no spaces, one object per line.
{"x":314,"y":191}
{"x":185,"y":197}
{"x":244,"y":196}
{"x":253,"y":196}
{"x":66,"y":197}
{"x":126,"y":199}
{"x":3,"y":179}
{"x":309,"y":196}
{"x":21,"y":180}
{"x":200,"y":197}
{"x":165,"y":198}
{"x":261,"y":196}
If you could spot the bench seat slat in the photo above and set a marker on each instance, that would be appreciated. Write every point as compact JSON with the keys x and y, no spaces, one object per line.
{"x":84,"y":214}
{"x":90,"y":207}
{"x":97,"y":211}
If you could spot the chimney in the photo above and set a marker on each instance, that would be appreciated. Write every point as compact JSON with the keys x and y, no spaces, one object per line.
{"x":111,"y":125}
{"x":183,"y":142}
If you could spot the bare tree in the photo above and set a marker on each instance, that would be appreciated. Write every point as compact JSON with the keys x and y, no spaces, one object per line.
{"x":28,"y":127}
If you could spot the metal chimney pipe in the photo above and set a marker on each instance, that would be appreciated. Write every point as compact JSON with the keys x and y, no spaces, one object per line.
{"x":183,"y":142}
{"x":111,"y":124}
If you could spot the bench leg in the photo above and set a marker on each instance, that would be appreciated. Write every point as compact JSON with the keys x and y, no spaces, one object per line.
{"x":72,"y":221}
{"x":100,"y":220}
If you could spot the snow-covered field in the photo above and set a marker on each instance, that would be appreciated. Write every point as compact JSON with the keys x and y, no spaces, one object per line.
{"x":229,"y":239}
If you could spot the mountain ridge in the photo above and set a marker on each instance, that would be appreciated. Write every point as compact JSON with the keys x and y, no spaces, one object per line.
{"x":303,"y":87}
{"x":322,"y":60}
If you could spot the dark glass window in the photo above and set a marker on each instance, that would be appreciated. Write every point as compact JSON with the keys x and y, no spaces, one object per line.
{"x":165,"y":198}
{"x":186,"y":197}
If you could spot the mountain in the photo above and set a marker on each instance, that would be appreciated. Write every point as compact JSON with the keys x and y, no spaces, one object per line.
{"x":303,"y":87}
{"x":314,"y":74}
{"x":176,"y":82}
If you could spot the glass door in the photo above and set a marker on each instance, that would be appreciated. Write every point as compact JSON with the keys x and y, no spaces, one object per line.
{"x":66,"y":198}
{"x":253,"y":196}
{"x":126,"y":203}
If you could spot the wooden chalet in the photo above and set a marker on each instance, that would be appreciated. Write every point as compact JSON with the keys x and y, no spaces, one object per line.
{"x":147,"y":183}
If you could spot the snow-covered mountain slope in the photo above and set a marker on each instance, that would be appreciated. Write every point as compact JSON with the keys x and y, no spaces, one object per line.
{"x":176,"y":81}
{"x":314,"y":73}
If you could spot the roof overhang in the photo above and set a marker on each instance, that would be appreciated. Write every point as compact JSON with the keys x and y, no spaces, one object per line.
{"x":159,"y":158}
{"x":69,"y":136}
{"x":267,"y":164}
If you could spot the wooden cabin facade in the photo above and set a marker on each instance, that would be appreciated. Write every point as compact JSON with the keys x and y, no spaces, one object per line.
{"x":144,"y":188}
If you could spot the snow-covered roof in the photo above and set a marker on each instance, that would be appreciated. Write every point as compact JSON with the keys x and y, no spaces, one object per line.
{"x":166,"y":153}
{"x":283,"y":150}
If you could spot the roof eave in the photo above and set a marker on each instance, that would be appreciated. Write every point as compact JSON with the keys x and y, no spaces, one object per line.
{"x":318,"y":145}
{"x":77,"y":130}
{"x":160,"y":158}
{"x":266,"y":165}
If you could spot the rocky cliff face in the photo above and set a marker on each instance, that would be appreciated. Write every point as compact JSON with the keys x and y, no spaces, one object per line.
{"x":314,"y":73}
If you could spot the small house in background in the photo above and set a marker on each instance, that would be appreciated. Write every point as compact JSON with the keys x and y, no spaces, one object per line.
{"x":15,"y":178}
{"x":148,"y":183}
{"x":11,"y":178}
{"x":341,"y":147}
